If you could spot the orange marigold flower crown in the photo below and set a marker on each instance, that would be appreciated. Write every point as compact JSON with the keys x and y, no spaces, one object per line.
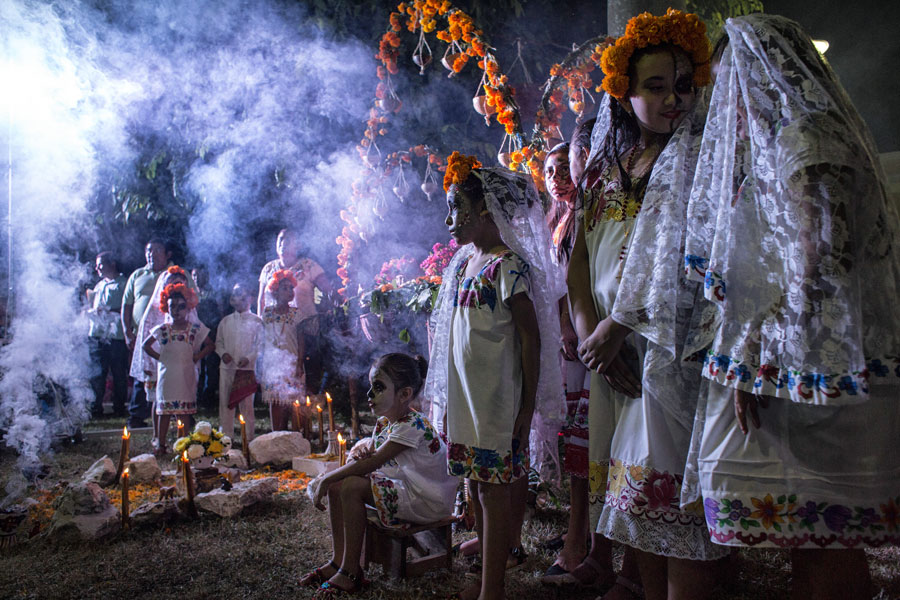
{"x":684,"y":30}
{"x":176,"y":270}
{"x":177,"y":289}
{"x":278,"y":277}
{"x":458,"y":168}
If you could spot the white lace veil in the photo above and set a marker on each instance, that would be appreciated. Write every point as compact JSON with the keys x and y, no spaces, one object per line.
{"x":516,"y":210}
{"x":788,"y":224}
{"x":141,"y":363}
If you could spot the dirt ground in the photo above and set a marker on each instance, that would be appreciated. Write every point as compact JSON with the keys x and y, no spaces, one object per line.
{"x":261,"y":553}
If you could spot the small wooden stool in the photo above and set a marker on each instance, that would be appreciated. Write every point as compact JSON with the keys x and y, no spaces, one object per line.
{"x":387,"y":546}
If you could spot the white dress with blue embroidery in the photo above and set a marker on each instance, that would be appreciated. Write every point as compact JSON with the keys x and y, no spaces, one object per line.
{"x":484,"y":387}
{"x":414,"y":486}
{"x":177,"y":375}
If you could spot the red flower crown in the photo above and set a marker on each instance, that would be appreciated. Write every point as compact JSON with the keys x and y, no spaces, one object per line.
{"x":177,"y":289}
{"x":278,"y":277}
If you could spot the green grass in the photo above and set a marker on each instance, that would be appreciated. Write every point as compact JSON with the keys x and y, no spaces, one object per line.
{"x":261,"y":553}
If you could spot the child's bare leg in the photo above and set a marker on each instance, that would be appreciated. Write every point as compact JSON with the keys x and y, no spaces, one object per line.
{"x":495,"y":503}
{"x":691,"y":579}
{"x":830,"y":574}
{"x":654,"y":574}
{"x":518,"y":497}
{"x":573,"y":550}
{"x":479,"y":514}
{"x":355,"y":493}
{"x":163,"y":424}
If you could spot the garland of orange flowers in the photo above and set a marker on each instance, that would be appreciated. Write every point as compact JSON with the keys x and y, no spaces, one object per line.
{"x":177,"y":289}
{"x":176,"y":270}
{"x":280,"y":276}
{"x":458,"y":168}
{"x":684,"y":30}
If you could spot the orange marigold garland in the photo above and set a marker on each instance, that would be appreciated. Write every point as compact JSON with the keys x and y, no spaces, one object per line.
{"x":458,"y":168}
{"x":280,"y":276}
{"x":684,"y":30}
{"x":177,"y":289}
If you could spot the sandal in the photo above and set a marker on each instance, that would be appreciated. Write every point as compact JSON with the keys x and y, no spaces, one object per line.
{"x":317,"y":576}
{"x":519,"y":558}
{"x":555,"y":543}
{"x":553,"y":574}
{"x":635,"y":590}
{"x":329,"y":589}
{"x":570,"y":579}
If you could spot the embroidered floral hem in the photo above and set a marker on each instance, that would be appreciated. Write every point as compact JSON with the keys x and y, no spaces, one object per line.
{"x":176,"y":407}
{"x":645,"y":492}
{"x":809,"y":388}
{"x":789,"y":521}
{"x":387,"y":501}
{"x":598,"y":474}
{"x":576,"y":433}
{"x":485,"y":464}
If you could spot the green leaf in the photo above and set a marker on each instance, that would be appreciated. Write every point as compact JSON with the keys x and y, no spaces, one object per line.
{"x":404,"y":336}
{"x":781,"y":499}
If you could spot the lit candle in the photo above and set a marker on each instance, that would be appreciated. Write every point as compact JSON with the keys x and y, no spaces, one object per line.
{"x":321,"y":425}
{"x":245,"y":447}
{"x":342,"y":443}
{"x":297,"y":416}
{"x":180,"y":428}
{"x":125,"y":508}
{"x":123,"y":453}
{"x":307,"y":423}
{"x":330,"y":412}
{"x":188,"y":482}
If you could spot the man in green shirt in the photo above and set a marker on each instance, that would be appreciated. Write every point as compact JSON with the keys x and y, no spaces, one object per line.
{"x":138,"y":291}
{"x":107,"y":342}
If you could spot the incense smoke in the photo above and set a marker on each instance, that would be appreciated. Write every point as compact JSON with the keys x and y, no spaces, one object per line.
{"x":261,"y":108}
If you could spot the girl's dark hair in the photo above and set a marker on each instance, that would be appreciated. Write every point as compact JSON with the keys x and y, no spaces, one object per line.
{"x":403,"y":369}
{"x":472,"y":187}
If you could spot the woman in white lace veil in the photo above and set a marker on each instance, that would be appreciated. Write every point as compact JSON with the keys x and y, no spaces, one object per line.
{"x":516,"y":210}
{"x":790,"y":230}
{"x":143,"y":368}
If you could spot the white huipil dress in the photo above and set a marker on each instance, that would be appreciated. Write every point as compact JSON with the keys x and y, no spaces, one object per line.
{"x":640,"y":444}
{"x":177,"y":373}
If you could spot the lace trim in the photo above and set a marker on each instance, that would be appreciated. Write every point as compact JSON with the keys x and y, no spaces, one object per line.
{"x":677,"y":540}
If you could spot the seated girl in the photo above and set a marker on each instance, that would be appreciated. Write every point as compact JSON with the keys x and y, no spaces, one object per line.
{"x":401,"y":471}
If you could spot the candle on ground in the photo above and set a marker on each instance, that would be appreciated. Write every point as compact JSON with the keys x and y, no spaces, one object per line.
{"x":180,"y":428}
{"x":296,"y":416}
{"x":321,"y":425}
{"x":342,"y":443}
{"x":123,"y":453}
{"x":245,"y":447}
{"x":330,"y":412}
{"x":125,"y":507}
{"x":188,"y":482}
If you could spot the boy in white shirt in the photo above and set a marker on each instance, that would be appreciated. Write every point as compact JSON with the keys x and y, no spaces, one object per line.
{"x":238,"y":341}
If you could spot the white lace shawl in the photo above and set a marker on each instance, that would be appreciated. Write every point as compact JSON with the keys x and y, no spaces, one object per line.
{"x":789,"y":227}
{"x":516,"y":210}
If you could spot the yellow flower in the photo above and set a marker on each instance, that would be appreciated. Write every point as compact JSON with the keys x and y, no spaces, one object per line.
{"x":181,"y":444}
{"x":199,"y":437}
{"x":216,"y":447}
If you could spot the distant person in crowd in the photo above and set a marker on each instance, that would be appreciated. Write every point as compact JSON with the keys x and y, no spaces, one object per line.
{"x":283,"y":375}
{"x":182,"y":343}
{"x":109,"y":353}
{"x":238,"y":342}
{"x":310,"y":276}
{"x":138,"y":290}
{"x":400,"y":470}
{"x":210,"y":312}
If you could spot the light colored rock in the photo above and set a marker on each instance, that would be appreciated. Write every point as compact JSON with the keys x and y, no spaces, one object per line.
{"x":85,"y":527}
{"x":155,"y":512}
{"x":83,"y":512}
{"x":243,"y":494}
{"x":83,"y":498}
{"x":143,"y":468}
{"x":278,"y":447}
{"x":234,"y":459}
{"x":312,"y":466}
{"x":102,"y":472}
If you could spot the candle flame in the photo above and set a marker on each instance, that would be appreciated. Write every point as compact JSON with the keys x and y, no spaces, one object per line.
{"x":125,"y":434}
{"x":328,"y":396}
{"x":184,"y":457}
{"x":340,"y":439}
{"x":307,"y":401}
{"x":297,"y":403}
{"x":180,"y":424}
{"x":319,"y":407}
{"x":241,"y":418}
{"x":125,"y":472}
